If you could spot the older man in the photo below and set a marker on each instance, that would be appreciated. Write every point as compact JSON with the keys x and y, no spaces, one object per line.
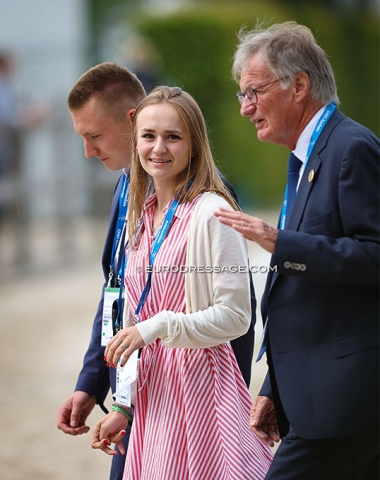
{"x":321,"y":307}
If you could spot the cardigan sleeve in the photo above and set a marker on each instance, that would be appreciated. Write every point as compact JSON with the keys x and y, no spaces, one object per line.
{"x":217,"y":286}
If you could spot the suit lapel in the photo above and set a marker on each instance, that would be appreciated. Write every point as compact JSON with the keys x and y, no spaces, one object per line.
{"x":309,"y":176}
{"x":107,"y":251}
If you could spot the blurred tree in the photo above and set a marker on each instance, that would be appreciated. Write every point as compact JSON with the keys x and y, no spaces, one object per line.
{"x":196,"y":45}
{"x":343,"y":7}
{"x":103,"y":13}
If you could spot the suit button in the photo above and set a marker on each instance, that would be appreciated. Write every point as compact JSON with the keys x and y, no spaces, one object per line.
{"x":287,"y":265}
{"x":302,"y":267}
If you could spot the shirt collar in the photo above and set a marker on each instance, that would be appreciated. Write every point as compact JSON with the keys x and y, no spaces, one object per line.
{"x":150,"y":204}
{"x":303,"y":142}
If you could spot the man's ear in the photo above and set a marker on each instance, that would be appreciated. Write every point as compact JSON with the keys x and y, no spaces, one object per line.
{"x":301,"y":85}
{"x":131,"y":114}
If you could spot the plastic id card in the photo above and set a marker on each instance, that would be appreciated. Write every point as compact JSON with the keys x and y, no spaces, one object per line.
{"x":126,"y":380}
{"x":110,"y":295}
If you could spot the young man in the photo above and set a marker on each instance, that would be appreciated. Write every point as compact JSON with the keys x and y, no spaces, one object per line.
{"x":102,"y":104}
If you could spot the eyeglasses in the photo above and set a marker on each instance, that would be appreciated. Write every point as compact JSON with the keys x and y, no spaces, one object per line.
{"x":251,"y":93}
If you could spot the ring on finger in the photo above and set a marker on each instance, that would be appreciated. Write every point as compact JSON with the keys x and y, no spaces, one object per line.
{"x":122,"y":346}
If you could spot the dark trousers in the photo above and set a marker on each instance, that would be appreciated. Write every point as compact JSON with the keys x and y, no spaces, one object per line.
{"x":118,"y":461}
{"x":352,"y":457}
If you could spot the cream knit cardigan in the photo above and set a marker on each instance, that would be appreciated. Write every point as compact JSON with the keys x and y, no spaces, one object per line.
{"x":218,"y":305}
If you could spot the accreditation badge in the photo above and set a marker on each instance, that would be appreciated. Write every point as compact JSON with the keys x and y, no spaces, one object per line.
{"x":110,"y":295}
{"x":126,"y":378}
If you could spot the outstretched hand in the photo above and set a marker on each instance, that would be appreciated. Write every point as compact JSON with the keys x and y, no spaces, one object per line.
{"x":263,"y":421}
{"x":252,"y":228}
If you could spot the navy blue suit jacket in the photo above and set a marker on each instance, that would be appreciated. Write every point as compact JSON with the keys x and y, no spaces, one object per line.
{"x":322,"y":304}
{"x":95,"y":377}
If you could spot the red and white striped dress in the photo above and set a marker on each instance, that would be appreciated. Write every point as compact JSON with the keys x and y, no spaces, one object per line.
{"x":192,"y":407}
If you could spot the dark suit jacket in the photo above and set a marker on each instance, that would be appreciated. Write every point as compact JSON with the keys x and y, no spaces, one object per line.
{"x":95,"y":377}
{"x":322,"y":304}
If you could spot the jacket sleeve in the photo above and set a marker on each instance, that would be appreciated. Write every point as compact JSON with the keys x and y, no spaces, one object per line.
{"x":266,"y":388}
{"x":94,"y":377}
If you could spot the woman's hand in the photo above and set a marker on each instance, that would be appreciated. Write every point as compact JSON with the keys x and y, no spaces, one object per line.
{"x":109,"y":429}
{"x":124,"y":343}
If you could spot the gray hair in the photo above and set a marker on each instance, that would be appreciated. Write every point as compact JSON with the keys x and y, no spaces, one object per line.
{"x":288,"y":48}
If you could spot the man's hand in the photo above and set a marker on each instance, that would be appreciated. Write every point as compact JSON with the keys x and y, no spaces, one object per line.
{"x":109,"y":429}
{"x":73,"y":413}
{"x":263,"y":420}
{"x":252,"y":228}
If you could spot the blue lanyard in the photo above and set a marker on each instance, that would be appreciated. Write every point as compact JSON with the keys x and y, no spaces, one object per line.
{"x":120,"y":223}
{"x":120,"y":278}
{"x":329,"y":110}
{"x":160,"y":237}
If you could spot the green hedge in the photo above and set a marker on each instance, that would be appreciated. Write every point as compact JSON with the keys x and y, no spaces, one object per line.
{"x":196,"y":48}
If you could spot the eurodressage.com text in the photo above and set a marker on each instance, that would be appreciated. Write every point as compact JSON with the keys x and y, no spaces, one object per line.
{"x":209,"y":269}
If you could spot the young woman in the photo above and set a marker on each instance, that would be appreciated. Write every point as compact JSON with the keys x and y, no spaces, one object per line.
{"x":187,"y":296}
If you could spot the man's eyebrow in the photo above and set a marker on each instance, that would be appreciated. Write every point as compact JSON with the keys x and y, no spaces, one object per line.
{"x":87,"y":133}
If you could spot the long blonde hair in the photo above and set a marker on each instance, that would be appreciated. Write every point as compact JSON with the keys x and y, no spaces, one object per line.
{"x":201,"y":173}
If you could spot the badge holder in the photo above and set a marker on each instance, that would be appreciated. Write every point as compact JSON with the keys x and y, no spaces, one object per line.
{"x":126,"y":378}
{"x":111,"y":296}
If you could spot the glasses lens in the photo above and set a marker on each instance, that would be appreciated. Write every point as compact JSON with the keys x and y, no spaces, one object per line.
{"x":240,"y":97}
{"x":251,"y":94}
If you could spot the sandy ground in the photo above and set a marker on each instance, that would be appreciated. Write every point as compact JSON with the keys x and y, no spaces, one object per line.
{"x":46,"y":320}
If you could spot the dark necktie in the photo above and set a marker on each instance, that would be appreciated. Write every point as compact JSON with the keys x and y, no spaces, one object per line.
{"x":294,"y":165}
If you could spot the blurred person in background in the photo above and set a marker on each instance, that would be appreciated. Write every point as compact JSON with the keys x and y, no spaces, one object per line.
{"x":321,"y":306}
{"x":15,"y":119}
{"x":191,"y":404}
{"x":102,"y":105}
{"x":8,"y":115}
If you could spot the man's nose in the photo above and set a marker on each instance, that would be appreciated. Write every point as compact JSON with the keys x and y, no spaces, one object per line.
{"x":247,"y":107}
{"x":90,"y":149}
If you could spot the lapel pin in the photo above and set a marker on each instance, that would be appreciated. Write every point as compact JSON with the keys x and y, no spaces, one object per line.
{"x":311,"y":176}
